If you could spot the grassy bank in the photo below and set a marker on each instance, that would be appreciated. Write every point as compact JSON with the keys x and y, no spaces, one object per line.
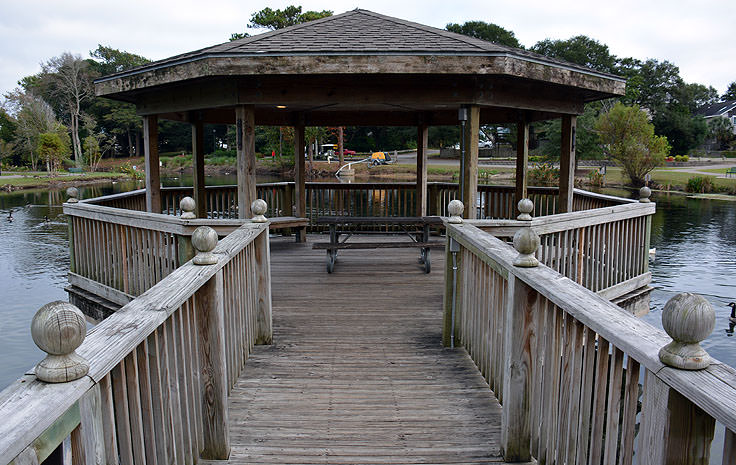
{"x":29,"y":180}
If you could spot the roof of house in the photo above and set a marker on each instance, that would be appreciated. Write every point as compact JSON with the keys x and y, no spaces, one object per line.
{"x":717,"y":109}
{"x":358,"y":32}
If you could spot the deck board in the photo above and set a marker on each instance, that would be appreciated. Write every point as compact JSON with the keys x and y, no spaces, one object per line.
{"x":357,"y":373}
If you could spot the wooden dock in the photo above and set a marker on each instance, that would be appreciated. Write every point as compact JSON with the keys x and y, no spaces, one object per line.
{"x":357,"y":372}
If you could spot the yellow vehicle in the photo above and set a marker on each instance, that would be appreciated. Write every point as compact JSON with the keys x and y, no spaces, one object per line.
{"x":380,"y":158}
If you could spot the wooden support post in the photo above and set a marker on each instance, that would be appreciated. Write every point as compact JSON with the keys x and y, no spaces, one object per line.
{"x":213,"y":370}
{"x":567,"y":164}
{"x":522,"y":161}
{"x":470,"y":173}
{"x":200,"y":196}
{"x":516,"y":421}
{"x":264,"y":331}
{"x":422,"y":134}
{"x":246,"y":147}
{"x":673,"y":430}
{"x":153,"y":179}
{"x":300,"y":187}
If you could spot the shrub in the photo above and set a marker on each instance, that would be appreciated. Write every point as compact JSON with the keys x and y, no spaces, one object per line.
{"x":700,"y":184}
{"x":544,"y":174}
{"x":729,"y":153}
{"x":223,"y":153}
{"x":595,"y":178}
{"x":128,"y":169}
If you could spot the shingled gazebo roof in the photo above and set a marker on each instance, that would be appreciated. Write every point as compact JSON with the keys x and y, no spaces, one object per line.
{"x":344,"y":50}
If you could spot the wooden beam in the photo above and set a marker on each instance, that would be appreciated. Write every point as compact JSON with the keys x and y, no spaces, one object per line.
{"x":213,"y":368}
{"x":200,"y":197}
{"x":470,"y":172}
{"x":300,"y":187}
{"x":567,"y":164}
{"x":522,"y":159}
{"x":153,"y":178}
{"x":246,"y":147}
{"x":422,"y":135}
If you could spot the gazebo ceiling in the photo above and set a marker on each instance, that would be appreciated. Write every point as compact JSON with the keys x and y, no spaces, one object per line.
{"x":358,"y":68}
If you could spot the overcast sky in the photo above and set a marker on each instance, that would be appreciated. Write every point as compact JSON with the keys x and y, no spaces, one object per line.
{"x":698,"y":36}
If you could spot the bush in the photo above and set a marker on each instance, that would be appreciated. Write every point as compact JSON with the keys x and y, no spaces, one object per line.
{"x":729,"y":153}
{"x":596,"y":178}
{"x":682,"y":158}
{"x":544,"y":174}
{"x":219,"y":153}
{"x":700,"y":184}
{"x":128,"y":169}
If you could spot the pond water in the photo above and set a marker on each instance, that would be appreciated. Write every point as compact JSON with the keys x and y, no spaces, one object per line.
{"x":695,"y":243}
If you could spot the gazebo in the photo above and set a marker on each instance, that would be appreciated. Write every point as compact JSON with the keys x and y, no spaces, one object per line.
{"x":358,"y":68}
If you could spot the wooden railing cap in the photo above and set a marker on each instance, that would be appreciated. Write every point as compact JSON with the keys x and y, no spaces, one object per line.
{"x":204,"y":240}
{"x":455,"y":208}
{"x":688,"y":319}
{"x":59,"y":328}
{"x":187,"y":206}
{"x":73,"y":194}
{"x":644,"y":194}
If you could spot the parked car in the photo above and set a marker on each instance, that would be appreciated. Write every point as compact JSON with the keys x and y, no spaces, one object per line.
{"x":485,"y":144}
{"x":348,"y":152}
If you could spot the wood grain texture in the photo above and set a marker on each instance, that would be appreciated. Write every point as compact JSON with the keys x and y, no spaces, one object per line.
{"x":153,"y":179}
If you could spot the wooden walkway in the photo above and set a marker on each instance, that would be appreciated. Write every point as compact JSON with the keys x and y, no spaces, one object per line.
{"x":357,"y":373}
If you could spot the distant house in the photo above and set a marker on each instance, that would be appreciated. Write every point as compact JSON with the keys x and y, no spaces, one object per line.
{"x":725,"y":109}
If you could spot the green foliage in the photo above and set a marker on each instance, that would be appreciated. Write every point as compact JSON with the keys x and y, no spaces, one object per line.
{"x":485,"y":31}
{"x":595,"y":178}
{"x":52,"y":148}
{"x":544,"y":174}
{"x":721,"y":130}
{"x":729,"y":153}
{"x":587,"y":143}
{"x":128,"y":169}
{"x":700,"y":184}
{"x":289,"y":16}
{"x":730,"y":92}
{"x":581,"y":50}
{"x":107,"y":60}
{"x":629,"y":139}
{"x":682,"y":158}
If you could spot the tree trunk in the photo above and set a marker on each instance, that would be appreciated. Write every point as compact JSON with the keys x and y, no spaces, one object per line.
{"x":340,"y":146}
{"x":130,"y":143}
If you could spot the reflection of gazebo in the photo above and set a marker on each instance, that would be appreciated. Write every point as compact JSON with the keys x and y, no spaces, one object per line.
{"x":357,"y":68}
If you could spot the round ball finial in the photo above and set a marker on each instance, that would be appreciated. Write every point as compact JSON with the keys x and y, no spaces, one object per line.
{"x":688,"y":319}
{"x":73,"y":194}
{"x":259,"y":207}
{"x":455,"y":208}
{"x":59,"y":328}
{"x":204,"y":240}
{"x":526,"y":242}
{"x":187,"y":206}
{"x":644,"y":194}
{"x":526,"y":207}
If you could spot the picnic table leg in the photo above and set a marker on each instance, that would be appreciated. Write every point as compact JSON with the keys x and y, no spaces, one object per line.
{"x":425,"y":250}
{"x":332,"y":253}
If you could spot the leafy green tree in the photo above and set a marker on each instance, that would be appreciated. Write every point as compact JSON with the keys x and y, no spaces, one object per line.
{"x":485,"y":31}
{"x":33,"y":116}
{"x":52,"y":147}
{"x":107,"y":60}
{"x":629,"y":139}
{"x":730,"y":93}
{"x":587,"y":143}
{"x":721,"y":130}
{"x":279,"y":19}
{"x":581,"y":50}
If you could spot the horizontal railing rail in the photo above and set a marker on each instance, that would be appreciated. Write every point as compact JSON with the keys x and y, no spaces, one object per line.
{"x":159,"y":370}
{"x":604,"y":249}
{"x":580,"y":379}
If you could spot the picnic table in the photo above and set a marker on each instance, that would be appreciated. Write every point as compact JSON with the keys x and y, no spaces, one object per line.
{"x":731,"y":171}
{"x":416,"y":228}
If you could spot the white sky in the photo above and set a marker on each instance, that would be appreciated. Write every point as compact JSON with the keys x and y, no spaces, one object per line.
{"x":698,"y":36}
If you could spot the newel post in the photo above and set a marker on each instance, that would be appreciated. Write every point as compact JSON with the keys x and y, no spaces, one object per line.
{"x":516,"y":421}
{"x":264,"y":329}
{"x":213,"y":369}
{"x":674,"y":429}
{"x":59,"y":328}
{"x":185,"y":251}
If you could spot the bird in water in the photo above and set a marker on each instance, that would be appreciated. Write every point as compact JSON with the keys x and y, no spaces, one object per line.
{"x":46,"y":218}
{"x":10,"y":216}
{"x":732,"y":318}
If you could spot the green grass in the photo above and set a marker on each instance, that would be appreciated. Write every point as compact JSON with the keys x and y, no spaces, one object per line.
{"x":32,"y":179}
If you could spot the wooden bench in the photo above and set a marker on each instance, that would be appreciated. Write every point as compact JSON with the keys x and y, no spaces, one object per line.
{"x":416,"y":228}
{"x":730,"y":171}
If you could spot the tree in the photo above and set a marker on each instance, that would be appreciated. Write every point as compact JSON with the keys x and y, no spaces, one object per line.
{"x":279,"y":19}
{"x":52,"y":148}
{"x":581,"y":50}
{"x":485,"y":31}
{"x":730,"y":93}
{"x":587,"y":143}
{"x":721,"y":130}
{"x":33,"y":116}
{"x":629,"y":139}
{"x":68,"y":79}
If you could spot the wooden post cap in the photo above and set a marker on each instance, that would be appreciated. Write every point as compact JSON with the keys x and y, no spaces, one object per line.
{"x":58,"y":328}
{"x":644,"y":194}
{"x":526,"y":241}
{"x":455,"y":209}
{"x":204,"y":240}
{"x":259,"y":207}
{"x":526,"y":207}
{"x":73,"y":194}
{"x":187,"y":206}
{"x":688,"y":319}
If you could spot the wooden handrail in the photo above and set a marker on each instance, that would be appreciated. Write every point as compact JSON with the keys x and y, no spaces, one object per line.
{"x":37,"y":416}
{"x":565,"y":364}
